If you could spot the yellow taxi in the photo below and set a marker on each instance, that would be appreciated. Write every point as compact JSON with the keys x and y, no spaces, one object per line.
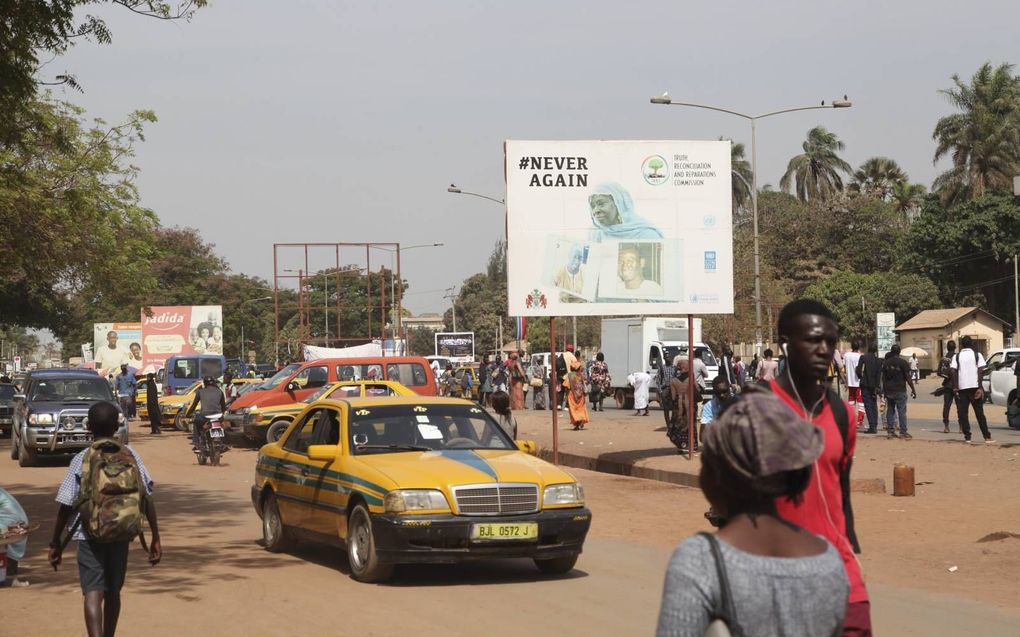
{"x":267,"y":424}
{"x":415,"y":480}
{"x":458,"y":374}
{"x":173,"y":407}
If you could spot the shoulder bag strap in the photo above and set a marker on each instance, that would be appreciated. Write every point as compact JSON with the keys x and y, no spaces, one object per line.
{"x":843,"y":424}
{"x":725,"y":610}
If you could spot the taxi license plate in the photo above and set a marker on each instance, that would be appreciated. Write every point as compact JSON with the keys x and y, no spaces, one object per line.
{"x":505,"y":531}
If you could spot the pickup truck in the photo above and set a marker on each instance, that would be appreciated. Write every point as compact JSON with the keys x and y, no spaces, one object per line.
{"x":999,"y":379}
{"x":50,"y":414}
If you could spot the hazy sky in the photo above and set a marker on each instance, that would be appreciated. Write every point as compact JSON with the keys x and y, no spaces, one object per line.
{"x":329,"y":121}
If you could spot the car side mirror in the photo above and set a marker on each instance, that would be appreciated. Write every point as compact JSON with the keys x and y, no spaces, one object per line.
{"x":527,"y":446}
{"x":292,"y":387}
{"x":323,"y":453}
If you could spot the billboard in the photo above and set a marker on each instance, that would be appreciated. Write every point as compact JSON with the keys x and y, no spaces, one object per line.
{"x":459,"y":347}
{"x":114,"y":344}
{"x":885,"y":322}
{"x":619,"y":228}
{"x":181,"y":329}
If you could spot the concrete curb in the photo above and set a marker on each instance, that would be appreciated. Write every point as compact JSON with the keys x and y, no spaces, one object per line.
{"x":682,"y":478}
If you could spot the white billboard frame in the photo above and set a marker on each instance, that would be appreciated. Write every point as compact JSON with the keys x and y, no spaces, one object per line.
{"x":619,"y":228}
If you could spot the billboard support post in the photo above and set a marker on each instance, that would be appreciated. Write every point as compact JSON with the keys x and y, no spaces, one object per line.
{"x":692,"y":408}
{"x":553,"y":378}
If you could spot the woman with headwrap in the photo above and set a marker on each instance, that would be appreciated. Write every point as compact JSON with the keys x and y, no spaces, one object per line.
{"x":612,"y":214}
{"x":678,"y":428}
{"x":576,"y":396}
{"x":515,"y":371}
{"x":758,"y":573}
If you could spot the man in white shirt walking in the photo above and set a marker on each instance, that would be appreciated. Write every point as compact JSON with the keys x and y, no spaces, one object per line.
{"x":853,"y":381}
{"x":966,"y":370}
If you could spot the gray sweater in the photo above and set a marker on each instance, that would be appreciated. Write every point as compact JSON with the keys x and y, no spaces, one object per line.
{"x":786,"y":596}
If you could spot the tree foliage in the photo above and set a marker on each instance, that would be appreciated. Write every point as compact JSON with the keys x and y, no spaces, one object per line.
{"x":36,"y":30}
{"x":75,"y":226}
{"x":855,"y":298}
{"x":983,"y":138}
{"x":966,"y":250}
{"x":817,"y":172}
{"x":877,"y":177}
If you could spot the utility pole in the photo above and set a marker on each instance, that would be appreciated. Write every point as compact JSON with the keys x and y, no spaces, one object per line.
{"x":1016,"y":306}
{"x":453,"y":305}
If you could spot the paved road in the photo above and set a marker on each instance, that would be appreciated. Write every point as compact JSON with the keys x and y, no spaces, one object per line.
{"x":217,"y":579}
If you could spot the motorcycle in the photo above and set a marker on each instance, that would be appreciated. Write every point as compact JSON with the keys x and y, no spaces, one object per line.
{"x":212,"y":441}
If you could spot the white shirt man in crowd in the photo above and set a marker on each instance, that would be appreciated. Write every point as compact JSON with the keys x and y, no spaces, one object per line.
{"x":966,"y":370}
{"x":853,"y":381}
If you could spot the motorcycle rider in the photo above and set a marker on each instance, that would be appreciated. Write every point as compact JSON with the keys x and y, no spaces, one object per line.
{"x":208,"y":400}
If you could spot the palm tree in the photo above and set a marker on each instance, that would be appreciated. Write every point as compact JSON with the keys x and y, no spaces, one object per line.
{"x":983,"y":138}
{"x":740,"y":175}
{"x":877,"y":176}
{"x":817,"y":170}
{"x":906,"y":197}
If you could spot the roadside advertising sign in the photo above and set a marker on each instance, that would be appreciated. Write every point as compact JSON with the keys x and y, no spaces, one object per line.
{"x":885,"y":322}
{"x":183,"y":329}
{"x":116,"y":344}
{"x":86,"y":353}
{"x":619,"y":228}
{"x":459,"y":347}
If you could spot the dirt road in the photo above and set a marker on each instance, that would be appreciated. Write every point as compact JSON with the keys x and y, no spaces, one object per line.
{"x":215,"y":577}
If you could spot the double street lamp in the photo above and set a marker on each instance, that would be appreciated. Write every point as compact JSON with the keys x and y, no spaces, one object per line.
{"x":668,"y":101}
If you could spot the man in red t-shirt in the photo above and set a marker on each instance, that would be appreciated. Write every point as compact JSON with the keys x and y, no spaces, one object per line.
{"x":808,"y":336}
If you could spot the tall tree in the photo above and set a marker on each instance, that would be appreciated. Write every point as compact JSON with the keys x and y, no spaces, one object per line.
{"x":740,"y":176}
{"x":35,"y":30}
{"x":983,"y":139}
{"x":907,"y":198}
{"x":817,"y":171}
{"x":877,"y":177}
{"x":71,"y":211}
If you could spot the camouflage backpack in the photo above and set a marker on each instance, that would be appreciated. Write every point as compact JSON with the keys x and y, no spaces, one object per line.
{"x":112,"y":495}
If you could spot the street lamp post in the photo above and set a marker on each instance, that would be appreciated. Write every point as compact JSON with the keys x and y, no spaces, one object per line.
{"x":843,"y":103}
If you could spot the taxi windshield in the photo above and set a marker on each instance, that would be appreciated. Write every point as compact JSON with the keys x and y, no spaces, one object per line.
{"x":397,"y":428}
{"x":280,"y":376}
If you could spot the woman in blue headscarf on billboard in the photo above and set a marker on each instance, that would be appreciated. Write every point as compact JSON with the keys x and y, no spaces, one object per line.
{"x":612,"y":213}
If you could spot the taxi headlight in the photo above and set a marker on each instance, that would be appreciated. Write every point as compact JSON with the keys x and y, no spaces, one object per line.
{"x":411,"y":500}
{"x":41,"y":419}
{"x":560,"y":494}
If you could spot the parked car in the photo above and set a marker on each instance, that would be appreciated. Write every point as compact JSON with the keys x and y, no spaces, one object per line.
{"x":267,"y":424}
{"x":415,"y":480}
{"x":1002,"y":384}
{"x":50,"y":413}
{"x":297,"y":381}
{"x":1002,"y":359}
{"x":7,"y":391}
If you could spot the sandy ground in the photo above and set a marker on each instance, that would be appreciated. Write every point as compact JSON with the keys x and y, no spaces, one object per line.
{"x":216,"y":578}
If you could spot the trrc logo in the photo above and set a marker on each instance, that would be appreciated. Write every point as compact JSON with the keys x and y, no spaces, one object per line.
{"x":655,"y":170}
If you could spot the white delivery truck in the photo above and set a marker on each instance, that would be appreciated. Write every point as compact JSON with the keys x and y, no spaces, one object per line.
{"x":643,"y":343}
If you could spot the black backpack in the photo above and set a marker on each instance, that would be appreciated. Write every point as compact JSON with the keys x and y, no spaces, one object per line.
{"x":843,"y":424}
{"x":890,"y":370}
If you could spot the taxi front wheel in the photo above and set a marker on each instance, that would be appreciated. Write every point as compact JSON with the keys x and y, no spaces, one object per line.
{"x":557,"y":565}
{"x":361,"y":553}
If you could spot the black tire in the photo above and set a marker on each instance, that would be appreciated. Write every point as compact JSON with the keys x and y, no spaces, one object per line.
{"x":557,"y":565}
{"x":276,"y":430}
{"x":364,"y":562}
{"x":624,"y":399}
{"x":26,"y":456}
{"x":274,"y":536}
{"x":179,"y":422}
